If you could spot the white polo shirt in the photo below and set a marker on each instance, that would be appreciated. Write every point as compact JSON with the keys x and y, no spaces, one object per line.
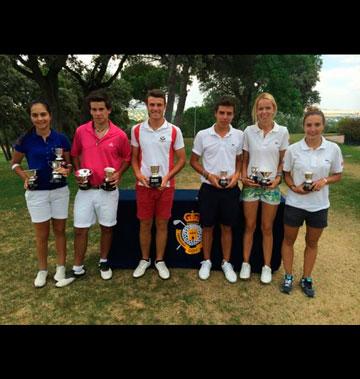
{"x":218,"y":153}
{"x":157,"y":147}
{"x":264,"y":152}
{"x":326,"y":159}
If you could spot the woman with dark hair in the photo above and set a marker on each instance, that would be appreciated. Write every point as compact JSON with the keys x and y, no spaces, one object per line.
{"x":310,"y":165}
{"x":47,"y":193}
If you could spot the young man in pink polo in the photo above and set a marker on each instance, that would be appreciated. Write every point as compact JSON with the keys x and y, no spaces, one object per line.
{"x":97,"y":145}
{"x":154,"y":144}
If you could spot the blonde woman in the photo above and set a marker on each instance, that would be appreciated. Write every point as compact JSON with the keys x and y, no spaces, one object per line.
{"x":264,"y":147}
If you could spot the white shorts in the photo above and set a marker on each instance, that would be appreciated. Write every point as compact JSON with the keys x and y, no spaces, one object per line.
{"x":93,"y":203}
{"x":46,"y":204}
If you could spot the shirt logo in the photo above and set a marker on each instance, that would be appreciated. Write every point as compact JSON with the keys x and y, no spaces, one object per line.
{"x":111,"y":144}
{"x":162,"y":139}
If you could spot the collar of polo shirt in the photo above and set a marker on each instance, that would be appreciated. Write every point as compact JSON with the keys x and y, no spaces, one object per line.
{"x":305,"y":146}
{"x":212,"y":130}
{"x":276,"y":128}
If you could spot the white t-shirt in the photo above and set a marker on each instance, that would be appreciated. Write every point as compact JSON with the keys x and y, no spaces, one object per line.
{"x":218,"y":153}
{"x":264,"y":152}
{"x":298,"y":159}
{"x":157,"y":147}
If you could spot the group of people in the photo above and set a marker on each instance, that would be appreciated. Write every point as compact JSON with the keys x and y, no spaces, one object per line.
{"x":260,"y":158}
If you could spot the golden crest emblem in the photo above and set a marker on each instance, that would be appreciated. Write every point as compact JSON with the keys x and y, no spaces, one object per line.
{"x":190,"y":236}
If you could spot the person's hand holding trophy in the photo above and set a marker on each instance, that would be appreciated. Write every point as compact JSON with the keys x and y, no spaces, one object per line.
{"x":59,"y":170}
{"x":155,"y":179}
{"x":82,"y":177}
{"x":108,"y":183}
{"x":30,"y":181}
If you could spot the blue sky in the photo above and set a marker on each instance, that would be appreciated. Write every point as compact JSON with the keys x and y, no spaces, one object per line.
{"x":339,"y":84}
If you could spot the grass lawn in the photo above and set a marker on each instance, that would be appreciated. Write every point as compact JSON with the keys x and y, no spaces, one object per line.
{"x":183,"y":299}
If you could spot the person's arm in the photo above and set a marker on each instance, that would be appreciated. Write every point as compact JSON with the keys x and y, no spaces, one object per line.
{"x":237,"y":174}
{"x":319,"y":184}
{"x":181,"y":161}
{"x":244,"y":176}
{"x":279,"y":172}
{"x":196,"y":165}
{"x":16,"y":167}
{"x":135,"y":166}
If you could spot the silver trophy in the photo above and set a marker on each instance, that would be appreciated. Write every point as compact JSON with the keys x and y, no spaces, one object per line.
{"x":155,"y":179}
{"x":56,"y":165}
{"x":265,"y":180}
{"x":308,"y":184}
{"x":31,"y":175}
{"x":223,"y":181}
{"x":84,"y":174}
{"x":254,"y":176}
{"x":108,"y":177}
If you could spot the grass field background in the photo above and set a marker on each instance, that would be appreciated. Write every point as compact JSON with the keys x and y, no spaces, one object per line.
{"x":184,"y":299}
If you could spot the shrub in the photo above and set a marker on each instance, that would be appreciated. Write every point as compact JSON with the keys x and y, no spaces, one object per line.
{"x":350,"y":127}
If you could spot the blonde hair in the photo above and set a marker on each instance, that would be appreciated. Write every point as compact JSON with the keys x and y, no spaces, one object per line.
{"x":313,"y":111}
{"x":267,"y":96}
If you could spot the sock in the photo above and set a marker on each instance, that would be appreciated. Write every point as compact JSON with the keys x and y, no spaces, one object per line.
{"x":160,"y":260}
{"x":103,"y":260}
{"x":78,"y":268}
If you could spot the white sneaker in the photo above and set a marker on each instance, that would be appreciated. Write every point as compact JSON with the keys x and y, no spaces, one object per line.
{"x":266,"y":275}
{"x":105,"y":270}
{"x":60,"y":273}
{"x":141,"y":268}
{"x":64,"y":282}
{"x":163,"y":270}
{"x":229,"y":272}
{"x":40,"y":279}
{"x":205,"y":268}
{"x":245,"y":271}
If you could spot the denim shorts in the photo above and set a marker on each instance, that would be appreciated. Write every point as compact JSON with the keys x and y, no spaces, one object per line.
{"x":268,"y":196}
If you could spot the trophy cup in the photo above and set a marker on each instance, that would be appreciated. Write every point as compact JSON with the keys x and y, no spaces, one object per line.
{"x":223,"y":181}
{"x":155,"y":179}
{"x":108,"y":172}
{"x":84,"y":174}
{"x":308,"y":184}
{"x":31,"y":175}
{"x":56,"y":164}
{"x":265,"y":180}
{"x":254,"y":176}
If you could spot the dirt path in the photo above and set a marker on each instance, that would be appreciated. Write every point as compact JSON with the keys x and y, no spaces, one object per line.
{"x":338,"y":139}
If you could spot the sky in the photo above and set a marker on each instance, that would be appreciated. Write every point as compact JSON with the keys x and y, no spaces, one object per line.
{"x":339,"y":84}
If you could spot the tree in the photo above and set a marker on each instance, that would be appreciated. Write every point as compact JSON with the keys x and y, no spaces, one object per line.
{"x":44,"y":70}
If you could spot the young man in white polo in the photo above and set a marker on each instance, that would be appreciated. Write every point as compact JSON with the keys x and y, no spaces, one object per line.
{"x":220,"y":148}
{"x":155,"y":142}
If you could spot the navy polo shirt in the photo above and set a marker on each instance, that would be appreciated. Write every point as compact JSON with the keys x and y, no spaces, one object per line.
{"x":40,"y":153}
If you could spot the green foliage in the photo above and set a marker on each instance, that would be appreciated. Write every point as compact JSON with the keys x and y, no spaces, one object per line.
{"x":204,"y":119}
{"x":293,"y":123}
{"x":350,"y":127}
{"x":331,"y":126}
{"x":143,"y":77}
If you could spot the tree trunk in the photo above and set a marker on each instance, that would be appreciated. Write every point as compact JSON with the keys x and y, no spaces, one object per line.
{"x":171,"y":88}
{"x":185,"y":75}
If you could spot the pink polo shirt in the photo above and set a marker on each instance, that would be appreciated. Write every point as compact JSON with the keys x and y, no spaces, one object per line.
{"x":96,"y":154}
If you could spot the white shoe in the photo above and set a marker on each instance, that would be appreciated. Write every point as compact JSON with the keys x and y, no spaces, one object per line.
{"x":163,"y":270}
{"x":245,"y":271}
{"x":40,"y":279}
{"x":60,"y":273}
{"x":229,"y":272}
{"x":105,"y":270}
{"x":141,"y":268}
{"x":266,"y":275}
{"x":64,"y":282}
{"x":205,"y":268}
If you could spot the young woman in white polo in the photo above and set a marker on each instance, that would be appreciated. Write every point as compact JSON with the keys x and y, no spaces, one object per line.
{"x":322,"y":160}
{"x":48,"y":200}
{"x":264,"y":147}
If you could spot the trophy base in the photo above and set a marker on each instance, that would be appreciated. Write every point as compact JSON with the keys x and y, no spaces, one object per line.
{"x":32,"y":187}
{"x":108,"y":187}
{"x":155,"y":182}
{"x":265,"y":184}
{"x":84,"y":187}
{"x":308,"y":187}
{"x":56,"y":180}
{"x":223,"y":183}
{"x":254,"y":179}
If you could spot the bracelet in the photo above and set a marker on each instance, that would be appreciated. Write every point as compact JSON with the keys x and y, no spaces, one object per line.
{"x":293,"y":185}
{"x":279,"y":174}
{"x":326,"y":181}
{"x":13,"y":167}
{"x":205,"y":175}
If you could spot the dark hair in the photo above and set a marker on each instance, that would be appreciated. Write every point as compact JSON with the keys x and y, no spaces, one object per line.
{"x":39,"y":101}
{"x":225,"y":101}
{"x":98,"y":95}
{"x":312,"y":111}
{"x":32,"y":128}
{"x":155,"y":93}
